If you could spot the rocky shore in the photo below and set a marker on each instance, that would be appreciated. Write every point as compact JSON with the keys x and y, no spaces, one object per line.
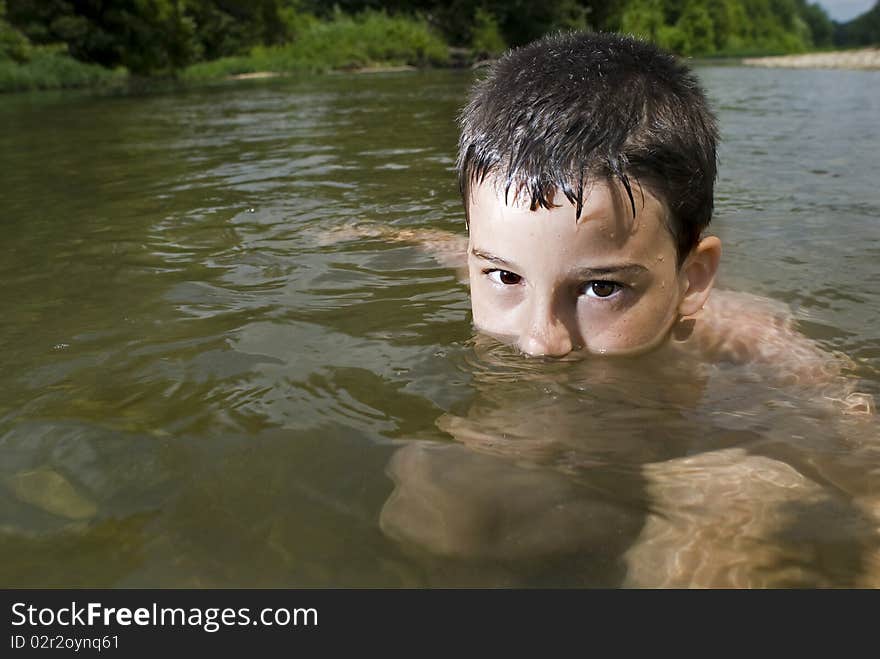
{"x":866,"y":58}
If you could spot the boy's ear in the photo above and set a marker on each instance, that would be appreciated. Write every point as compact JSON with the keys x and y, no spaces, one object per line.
{"x":698,"y":273}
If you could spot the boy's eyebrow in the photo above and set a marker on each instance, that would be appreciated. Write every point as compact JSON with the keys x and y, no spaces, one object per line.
{"x":586,"y":273}
{"x":630,"y":269}
{"x":480,"y":254}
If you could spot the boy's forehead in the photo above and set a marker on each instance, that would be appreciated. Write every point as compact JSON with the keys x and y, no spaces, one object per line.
{"x":605,"y":203}
{"x":607,"y":232}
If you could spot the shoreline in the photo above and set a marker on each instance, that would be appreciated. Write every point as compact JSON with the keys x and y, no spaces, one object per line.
{"x":863,"y":59}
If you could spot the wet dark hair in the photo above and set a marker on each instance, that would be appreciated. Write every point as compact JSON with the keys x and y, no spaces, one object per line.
{"x":570,"y":108}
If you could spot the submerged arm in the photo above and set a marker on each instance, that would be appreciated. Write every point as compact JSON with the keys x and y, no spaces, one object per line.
{"x":448,"y":249}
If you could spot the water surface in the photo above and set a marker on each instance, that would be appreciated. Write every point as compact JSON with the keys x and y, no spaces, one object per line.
{"x":199,"y":389}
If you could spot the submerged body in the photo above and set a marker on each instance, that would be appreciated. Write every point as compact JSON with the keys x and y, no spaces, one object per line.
{"x":527,"y":476}
{"x":587,"y":166}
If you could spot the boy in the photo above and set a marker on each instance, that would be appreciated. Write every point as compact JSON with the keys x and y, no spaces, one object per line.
{"x":587,"y":165}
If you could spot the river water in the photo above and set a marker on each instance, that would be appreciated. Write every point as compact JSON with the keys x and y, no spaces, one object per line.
{"x":199,"y":389}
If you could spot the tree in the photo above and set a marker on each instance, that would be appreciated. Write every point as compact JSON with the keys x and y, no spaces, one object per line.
{"x":486,"y":39}
{"x":145,"y":36}
{"x":697,"y":29}
{"x":13,"y":44}
{"x":643,"y":18}
{"x":729,"y":20}
{"x":863,"y":30}
{"x":232,"y":27}
{"x":816,"y":18}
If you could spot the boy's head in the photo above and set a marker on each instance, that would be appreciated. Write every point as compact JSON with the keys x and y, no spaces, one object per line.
{"x":587,"y":167}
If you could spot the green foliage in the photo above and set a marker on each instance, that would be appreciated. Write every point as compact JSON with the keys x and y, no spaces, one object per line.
{"x":486,"y":39}
{"x":146,"y":36}
{"x":729,"y":20}
{"x":24,"y":66}
{"x":211,"y":38}
{"x":296,"y":19}
{"x":518,"y":21}
{"x":819,"y":24}
{"x":726,"y":27}
{"x":368,"y":39}
{"x":522,"y":21}
{"x":697,"y":29}
{"x":233,"y":27}
{"x":47,"y":68}
{"x":13,"y":44}
{"x":643,"y":18}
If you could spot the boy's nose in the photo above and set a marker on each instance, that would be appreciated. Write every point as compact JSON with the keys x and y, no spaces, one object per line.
{"x":547,"y":336}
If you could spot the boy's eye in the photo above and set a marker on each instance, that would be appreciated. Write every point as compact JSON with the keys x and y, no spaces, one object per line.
{"x":504,"y":277}
{"x":601,"y":289}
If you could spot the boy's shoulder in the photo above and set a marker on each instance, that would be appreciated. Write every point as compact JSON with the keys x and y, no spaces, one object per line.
{"x":746,"y":329}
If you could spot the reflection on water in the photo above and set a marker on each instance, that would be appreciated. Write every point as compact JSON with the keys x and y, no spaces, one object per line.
{"x":198,"y":390}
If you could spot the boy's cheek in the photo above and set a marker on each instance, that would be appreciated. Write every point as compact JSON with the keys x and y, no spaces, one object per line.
{"x":641,"y":328}
{"x":491,"y":314}
{"x":622,"y":341}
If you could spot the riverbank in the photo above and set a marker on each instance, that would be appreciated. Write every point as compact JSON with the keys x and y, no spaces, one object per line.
{"x":865,"y":59}
{"x":341,"y":46}
{"x":367,"y":42}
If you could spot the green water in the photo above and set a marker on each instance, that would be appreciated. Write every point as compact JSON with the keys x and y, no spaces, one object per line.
{"x":198,"y":389}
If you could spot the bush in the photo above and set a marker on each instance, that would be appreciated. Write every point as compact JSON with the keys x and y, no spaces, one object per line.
{"x":13,"y":44}
{"x":698,"y":30}
{"x":725,"y":27}
{"x":368,"y":39}
{"x":486,"y":39}
{"x":51,"y":68}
